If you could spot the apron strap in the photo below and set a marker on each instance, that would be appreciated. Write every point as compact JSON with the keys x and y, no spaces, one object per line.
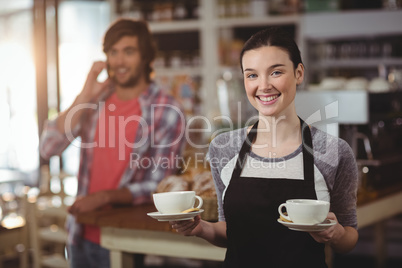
{"x":308,"y":157}
{"x":245,"y":149}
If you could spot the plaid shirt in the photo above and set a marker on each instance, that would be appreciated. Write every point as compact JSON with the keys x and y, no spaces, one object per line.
{"x":157,"y":147}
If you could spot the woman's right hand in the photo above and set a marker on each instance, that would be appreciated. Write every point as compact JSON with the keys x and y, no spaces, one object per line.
{"x":188,"y":227}
{"x":213,"y":232}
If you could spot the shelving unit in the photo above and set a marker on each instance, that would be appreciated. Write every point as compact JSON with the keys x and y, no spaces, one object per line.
{"x":259,"y":21}
{"x":175,"y":26}
{"x":351,"y":24}
{"x":209,"y":26}
{"x":356,"y":63}
{"x":191,"y":71}
{"x":363,"y":43}
{"x":309,"y":28}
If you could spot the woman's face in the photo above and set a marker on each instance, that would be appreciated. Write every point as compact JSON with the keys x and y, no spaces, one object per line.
{"x":270,"y":80}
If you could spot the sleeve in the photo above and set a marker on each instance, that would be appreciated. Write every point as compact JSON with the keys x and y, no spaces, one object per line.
{"x":222,"y":150}
{"x":344,"y":192}
{"x":52,"y":141}
{"x":163,"y":156}
{"x":214,"y":160}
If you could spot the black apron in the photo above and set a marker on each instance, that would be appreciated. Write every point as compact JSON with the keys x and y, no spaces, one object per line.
{"x":255,"y":237}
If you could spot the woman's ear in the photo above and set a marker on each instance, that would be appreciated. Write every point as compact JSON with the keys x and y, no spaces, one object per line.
{"x":299,"y":74}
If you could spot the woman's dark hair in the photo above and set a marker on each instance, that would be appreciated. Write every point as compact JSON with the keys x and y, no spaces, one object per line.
{"x":273,"y":36}
{"x":128,"y":27}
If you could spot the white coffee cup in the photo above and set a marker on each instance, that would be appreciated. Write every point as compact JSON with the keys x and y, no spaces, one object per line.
{"x":305,"y":211}
{"x":176,"y":202}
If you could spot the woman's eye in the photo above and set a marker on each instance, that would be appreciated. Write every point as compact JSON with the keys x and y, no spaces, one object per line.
{"x":251,"y":76}
{"x":276,"y":73}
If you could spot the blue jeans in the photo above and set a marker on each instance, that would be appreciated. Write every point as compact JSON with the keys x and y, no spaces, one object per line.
{"x":88,"y":255}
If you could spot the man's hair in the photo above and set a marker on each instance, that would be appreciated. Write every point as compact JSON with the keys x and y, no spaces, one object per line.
{"x":129,"y":27}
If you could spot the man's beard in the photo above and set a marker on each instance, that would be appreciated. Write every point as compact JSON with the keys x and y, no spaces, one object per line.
{"x":131,"y":82}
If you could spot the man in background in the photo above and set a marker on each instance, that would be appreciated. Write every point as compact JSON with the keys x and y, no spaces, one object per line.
{"x":128,"y":127}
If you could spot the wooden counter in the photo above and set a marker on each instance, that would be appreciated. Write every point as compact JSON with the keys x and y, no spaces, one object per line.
{"x":126,"y":230}
{"x":125,"y":217}
{"x":12,"y":237}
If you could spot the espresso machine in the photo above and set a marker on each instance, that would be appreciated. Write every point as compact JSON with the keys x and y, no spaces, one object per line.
{"x":370,"y":122}
{"x":379,"y":142}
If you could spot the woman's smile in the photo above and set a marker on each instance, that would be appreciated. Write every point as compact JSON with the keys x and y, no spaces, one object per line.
{"x":268,"y":99}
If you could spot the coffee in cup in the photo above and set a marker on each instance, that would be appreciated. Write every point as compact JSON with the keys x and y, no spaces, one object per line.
{"x":176,"y":202}
{"x":305,"y":211}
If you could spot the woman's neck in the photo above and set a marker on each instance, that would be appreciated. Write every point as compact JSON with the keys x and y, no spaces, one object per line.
{"x":277,"y":136}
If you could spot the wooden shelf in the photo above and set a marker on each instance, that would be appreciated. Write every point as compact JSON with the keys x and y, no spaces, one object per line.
{"x":197,"y":25}
{"x":175,"y":26}
{"x":258,"y":21}
{"x":192,"y":71}
{"x":351,"y":24}
{"x":356,"y":63}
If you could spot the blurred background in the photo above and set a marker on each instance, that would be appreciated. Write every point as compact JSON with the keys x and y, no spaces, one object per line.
{"x":352,"y":50}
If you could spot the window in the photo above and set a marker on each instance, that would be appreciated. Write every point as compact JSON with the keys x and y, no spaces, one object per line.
{"x":78,"y":49}
{"x":18,"y":116}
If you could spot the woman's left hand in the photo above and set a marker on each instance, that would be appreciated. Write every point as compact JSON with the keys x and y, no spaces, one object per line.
{"x":328,"y":234}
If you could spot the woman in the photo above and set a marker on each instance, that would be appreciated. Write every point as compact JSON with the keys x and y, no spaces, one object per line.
{"x":270,"y":162}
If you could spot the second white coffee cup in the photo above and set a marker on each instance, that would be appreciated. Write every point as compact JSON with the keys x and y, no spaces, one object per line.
{"x":176,"y":202}
{"x":305,"y":211}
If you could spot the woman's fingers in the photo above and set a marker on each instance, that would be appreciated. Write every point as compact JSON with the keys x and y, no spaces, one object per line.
{"x":185,"y":227}
{"x":182,"y":225}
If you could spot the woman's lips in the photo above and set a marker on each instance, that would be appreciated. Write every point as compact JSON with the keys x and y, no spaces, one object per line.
{"x":268,"y":99}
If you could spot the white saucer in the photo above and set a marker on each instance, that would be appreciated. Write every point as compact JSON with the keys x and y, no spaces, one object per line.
{"x":174,"y":217}
{"x":308,"y":227}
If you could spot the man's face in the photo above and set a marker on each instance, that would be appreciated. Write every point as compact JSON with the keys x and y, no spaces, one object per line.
{"x":125,"y":65}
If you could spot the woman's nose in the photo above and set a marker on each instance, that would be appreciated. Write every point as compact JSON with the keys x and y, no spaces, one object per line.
{"x":265,"y":83}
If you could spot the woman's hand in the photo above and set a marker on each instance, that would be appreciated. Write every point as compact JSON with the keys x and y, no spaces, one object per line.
{"x":188,"y":227}
{"x":341,"y":239}
{"x":327,"y":234}
{"x":213,"y":232}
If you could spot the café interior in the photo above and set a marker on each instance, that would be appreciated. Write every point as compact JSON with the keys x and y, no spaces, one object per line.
{"x":352,"y":51}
